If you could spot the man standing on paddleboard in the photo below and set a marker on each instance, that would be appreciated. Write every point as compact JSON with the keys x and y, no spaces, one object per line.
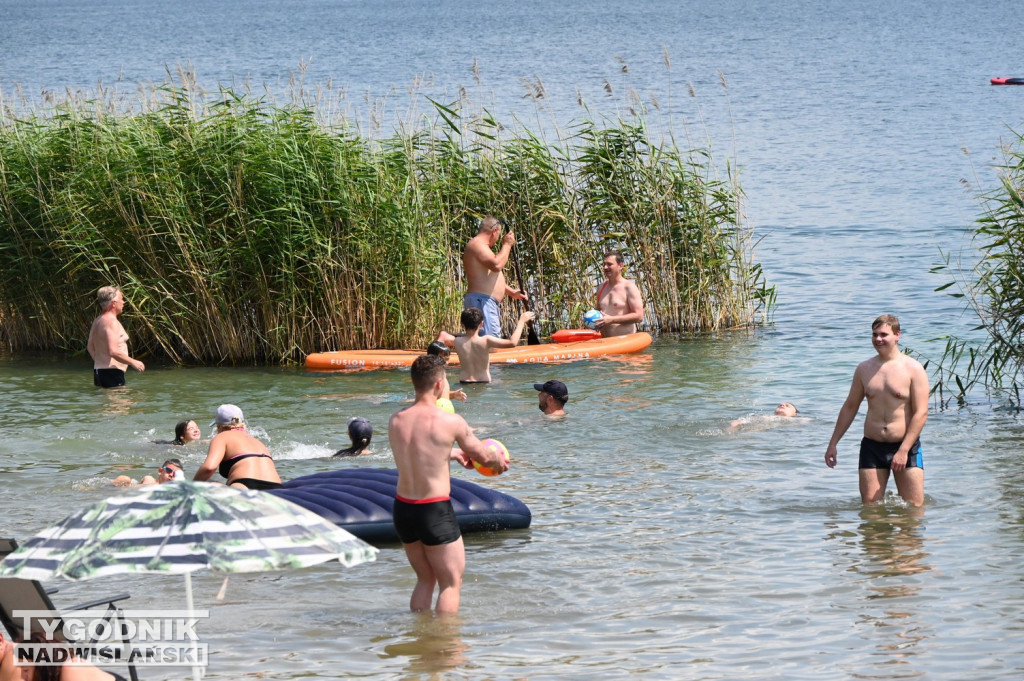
{"x":483,"y":268}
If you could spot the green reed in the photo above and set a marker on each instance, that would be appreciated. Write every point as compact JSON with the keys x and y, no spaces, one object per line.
{"x":245,"y":231}
{"x":994,"y":291}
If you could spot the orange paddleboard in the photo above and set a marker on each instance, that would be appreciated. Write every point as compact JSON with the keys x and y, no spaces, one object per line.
{"x":522,"y":354}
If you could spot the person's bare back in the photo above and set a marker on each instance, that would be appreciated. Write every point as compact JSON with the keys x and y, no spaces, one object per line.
{"x":474,"y":350}
{"x":422,"y":438}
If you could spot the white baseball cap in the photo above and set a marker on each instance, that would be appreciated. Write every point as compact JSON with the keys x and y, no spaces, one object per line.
{"x":228,"y":415}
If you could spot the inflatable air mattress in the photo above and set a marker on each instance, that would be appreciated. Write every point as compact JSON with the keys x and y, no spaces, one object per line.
{"x":360,"y":501}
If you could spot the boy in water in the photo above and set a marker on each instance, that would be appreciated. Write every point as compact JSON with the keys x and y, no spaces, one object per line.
{"x":421,"y":438}
{"x":474,"y":349}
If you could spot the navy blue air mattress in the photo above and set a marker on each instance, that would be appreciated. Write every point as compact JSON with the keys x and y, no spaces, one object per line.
{"x":361,"y":499}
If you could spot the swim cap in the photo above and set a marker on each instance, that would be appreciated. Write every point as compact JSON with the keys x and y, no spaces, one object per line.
{"x":359,"y":429}
{"x":438,"y":348}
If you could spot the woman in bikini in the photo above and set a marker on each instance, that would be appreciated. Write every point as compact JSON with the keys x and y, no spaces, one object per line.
{"x":240,"y":458}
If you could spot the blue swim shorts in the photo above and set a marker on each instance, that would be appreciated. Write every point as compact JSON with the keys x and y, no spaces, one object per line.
{"x":487,"y":305}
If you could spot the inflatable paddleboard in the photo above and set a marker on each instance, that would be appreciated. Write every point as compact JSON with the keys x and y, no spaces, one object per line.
{"x":522,"y":354}
{"x":361,"y":500}
{"x":1007,"y":81}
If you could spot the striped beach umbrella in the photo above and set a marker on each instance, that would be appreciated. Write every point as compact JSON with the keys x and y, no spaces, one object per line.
{"x":181,"y":527}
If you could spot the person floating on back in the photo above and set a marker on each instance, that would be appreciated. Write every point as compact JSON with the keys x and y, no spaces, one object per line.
{"x":896,"y":387}
{"x":474,"y":349}
{"x":170,"y":471}
{"x":422,"y":438}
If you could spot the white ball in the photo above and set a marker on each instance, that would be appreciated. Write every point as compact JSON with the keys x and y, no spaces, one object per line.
{"x":591,"y":318}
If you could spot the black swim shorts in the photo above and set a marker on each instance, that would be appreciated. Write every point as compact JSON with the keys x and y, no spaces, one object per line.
{"x":431,"y":521}
{"x":107,"y":378}
{"x":874,"y":454}
{"x":253,"y":483}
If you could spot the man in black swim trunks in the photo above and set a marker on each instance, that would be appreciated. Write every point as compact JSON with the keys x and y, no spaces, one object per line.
{"x":896,"y":387}
{"x":108,"y":341}
{"x":421,"y":439}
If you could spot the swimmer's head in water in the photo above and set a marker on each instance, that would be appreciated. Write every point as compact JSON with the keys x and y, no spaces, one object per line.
{"x":171,"y":470}
{"x":786,"y":409}
{"x":360,"y":431}
{"x":439,"y":348}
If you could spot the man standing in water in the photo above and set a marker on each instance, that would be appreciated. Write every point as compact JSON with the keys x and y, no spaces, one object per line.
{"x":421,"y":439}
{"x":896,"y":387}
{"x":484,"y":273}
{"x":108,"y":341}
{"x":618,"y":299}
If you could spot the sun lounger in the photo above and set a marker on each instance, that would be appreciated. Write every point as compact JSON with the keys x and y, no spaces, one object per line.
{"x":24,"y":594}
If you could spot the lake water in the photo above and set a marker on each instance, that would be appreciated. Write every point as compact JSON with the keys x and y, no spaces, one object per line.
{"x":664,"y":545}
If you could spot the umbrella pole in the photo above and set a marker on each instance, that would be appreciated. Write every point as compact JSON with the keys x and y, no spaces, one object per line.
{"x":197,"y":672}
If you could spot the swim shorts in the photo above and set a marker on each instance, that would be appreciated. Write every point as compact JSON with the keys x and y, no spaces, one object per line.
{"x":107,"y":378}
{"x":489,"y":306}
{"x":874,"y":454}
{"x":253,"y":483}
{"x":431,"y":521}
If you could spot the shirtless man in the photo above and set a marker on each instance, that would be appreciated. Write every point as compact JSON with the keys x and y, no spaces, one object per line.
{"x":474,"y":348}
{"x":896,"y":387}
{"x":618,"y":299}
{"x":108,"y":341}
{"x":484,"y":273}
{"x":422,"y":438}
{"x":552,"y":397}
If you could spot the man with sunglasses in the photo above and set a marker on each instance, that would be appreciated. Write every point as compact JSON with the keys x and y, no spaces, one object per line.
{"x":169,"y":471}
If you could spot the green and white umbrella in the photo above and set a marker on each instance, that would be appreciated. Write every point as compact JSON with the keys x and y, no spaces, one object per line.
{"x":181,"y":527}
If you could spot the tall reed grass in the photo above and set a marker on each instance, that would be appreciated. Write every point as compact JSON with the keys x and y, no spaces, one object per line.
{"x":993,"y":290}
{"x":245,"y":231}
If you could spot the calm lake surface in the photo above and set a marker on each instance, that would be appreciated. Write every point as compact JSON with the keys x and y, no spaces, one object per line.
{"x":664,"y":545}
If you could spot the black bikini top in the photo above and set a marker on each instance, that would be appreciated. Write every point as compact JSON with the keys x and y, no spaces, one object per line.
{"x":225,"y":465}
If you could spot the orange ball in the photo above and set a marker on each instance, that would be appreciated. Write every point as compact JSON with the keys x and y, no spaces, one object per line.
{"x":496,"y":448}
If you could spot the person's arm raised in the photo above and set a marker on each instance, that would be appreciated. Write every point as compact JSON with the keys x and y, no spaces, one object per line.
{"x":495,"y":343}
